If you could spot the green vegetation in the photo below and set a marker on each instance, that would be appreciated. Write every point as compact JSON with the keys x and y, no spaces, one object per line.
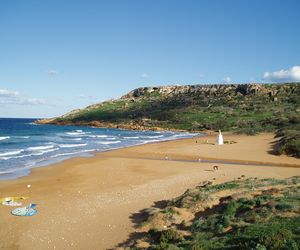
{"x":243,"y":214}
{"x":289,"y":142}
{"x":245,"y":108}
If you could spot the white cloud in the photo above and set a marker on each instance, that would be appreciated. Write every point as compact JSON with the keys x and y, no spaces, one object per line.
{"x":4,"y":93}
{"x":227,"y":79}
{"x":290,"y":75}
{"x":14,"y":97}
{"x":52,"y":72}
{"x":144,"y":75}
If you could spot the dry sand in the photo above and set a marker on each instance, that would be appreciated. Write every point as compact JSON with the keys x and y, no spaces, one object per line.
{"x":94,"y":203}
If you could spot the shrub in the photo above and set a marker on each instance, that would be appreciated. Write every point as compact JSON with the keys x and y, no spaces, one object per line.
{"x":219,"y":228}
{"x":284,"y":207}
{"x":169,"y":236}
{"x":199,"y":225}
{"x":225,"y":221}
{"x":230,"y":209}
{"x":275,"y":238}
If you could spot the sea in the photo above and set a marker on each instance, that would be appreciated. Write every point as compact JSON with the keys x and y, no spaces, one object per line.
{"x":25,"y":145}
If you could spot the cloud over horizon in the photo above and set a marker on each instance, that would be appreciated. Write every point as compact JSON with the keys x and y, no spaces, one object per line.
{"x":15,"y":97}
{"x":290,"y":75}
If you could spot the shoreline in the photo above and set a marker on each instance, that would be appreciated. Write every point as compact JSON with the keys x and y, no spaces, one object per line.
{"x":202,"y":159}
{"x":95,"y":202}
{"x":48,"y":163}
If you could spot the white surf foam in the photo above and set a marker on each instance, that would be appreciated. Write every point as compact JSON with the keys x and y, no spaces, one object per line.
{"x":72,"y":153}
{"x":4,"y":137}
{"x":72,"y":145}
{"x":39,"y":148}
{"x":108,"y":142}
{"x":10,"y":171}
{"x":154,"y":136}
{"x":98,"y":136}
{"x":76,"y":139}
{"x":28,"y":155}
{"x":23,"y":137}
{"x":131,"y":137}
{"x":35,"y":124}
{"x":75,"y":133}
{"x":148,"y":141}
{"x":11,"y":153}
{"x":181,"y":135}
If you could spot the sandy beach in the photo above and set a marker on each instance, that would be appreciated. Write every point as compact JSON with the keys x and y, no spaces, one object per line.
{"x":94,"y":203}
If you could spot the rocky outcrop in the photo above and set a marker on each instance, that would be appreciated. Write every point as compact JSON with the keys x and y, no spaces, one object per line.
{"x":220,"y":89}
{"x":167,"y":106}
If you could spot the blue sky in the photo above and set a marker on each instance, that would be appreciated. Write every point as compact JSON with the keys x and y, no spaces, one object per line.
{"x":59,"y":55}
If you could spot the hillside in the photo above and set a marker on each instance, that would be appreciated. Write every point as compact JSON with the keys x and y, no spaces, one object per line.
{"x":242,"y":214}
{"x":243,"y":108}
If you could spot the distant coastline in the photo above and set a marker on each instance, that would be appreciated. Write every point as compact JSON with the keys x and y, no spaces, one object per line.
{"x":241,"y":108}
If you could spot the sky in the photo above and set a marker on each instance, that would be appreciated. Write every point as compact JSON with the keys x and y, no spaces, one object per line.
{"x":56,"y":55}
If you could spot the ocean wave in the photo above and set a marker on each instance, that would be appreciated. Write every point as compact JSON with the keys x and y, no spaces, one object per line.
{"x":131,"y":137}
{"x":34,"y":124}
{"x":46,"y":151}
{"x":108,"y":142}
{"x":74,"y":133}
{"x":23,"y":137}
{"x":9,"y":171}
{"x":76,"y":139}
{"x":148,"y":141}
{"x":154,"y":136}
{"x":72,"y":145}
{"x":28,"y":155}
{"x":97,"y":136}
{"x":4,"y":137}
{"x":181,"y":135}
{"x":77,"y":132}
{"x":39,"y":148}
{"x":11,"y":153}
{"x":72,"y":153}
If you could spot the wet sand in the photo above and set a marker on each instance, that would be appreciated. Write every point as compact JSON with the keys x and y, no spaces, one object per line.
{"x":92,"y":203}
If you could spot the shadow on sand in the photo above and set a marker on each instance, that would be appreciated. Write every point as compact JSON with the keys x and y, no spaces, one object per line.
{"x":137,"y":219}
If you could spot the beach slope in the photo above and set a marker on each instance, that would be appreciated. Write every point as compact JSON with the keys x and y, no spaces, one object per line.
{"x":94,"y":203}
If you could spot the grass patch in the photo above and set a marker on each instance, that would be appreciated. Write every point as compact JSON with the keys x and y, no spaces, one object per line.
{"x":264,"y":218}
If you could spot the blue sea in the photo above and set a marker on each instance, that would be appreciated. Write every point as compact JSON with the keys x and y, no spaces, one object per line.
{"x":25,"y":145}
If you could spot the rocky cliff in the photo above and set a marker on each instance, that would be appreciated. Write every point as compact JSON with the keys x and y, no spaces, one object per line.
{"x":243,"y":89}
{"x":191,"y":107}
{"x":242,"y":108}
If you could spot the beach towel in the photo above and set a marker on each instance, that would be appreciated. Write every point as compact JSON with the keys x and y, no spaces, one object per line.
{"x":12,"y":203}
{"x":25,"y":211}
{"x":13,"y":198}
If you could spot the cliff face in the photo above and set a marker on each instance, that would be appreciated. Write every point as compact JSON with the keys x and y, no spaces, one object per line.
{"x":217,"y":89}
{"x":193,"y":107}
{"x":243,"y":108}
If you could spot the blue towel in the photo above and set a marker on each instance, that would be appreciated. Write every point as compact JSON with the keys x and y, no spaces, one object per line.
{"x":25,"y":211}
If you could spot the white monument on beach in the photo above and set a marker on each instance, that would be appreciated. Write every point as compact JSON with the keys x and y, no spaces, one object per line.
{"x":220,"y":138}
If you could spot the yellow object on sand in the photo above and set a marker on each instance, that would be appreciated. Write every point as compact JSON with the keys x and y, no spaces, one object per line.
{"x":15,"y":198}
